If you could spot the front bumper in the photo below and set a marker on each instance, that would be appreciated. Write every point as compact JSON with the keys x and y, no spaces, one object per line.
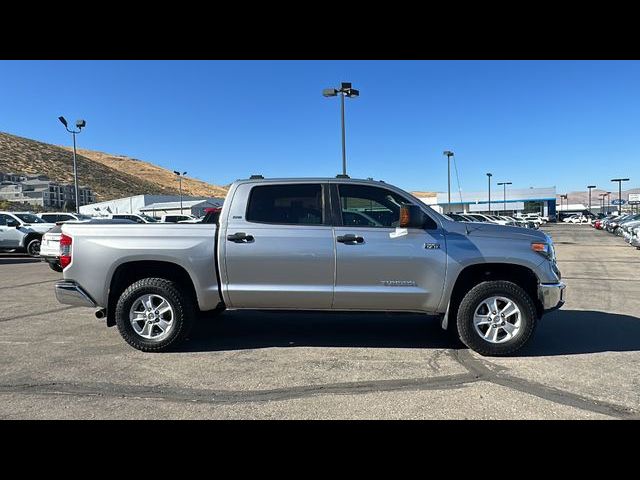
{"x":70,"y":293}
{"x":551,"y":295}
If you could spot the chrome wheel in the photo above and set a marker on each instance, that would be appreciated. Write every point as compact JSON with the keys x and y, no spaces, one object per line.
{"x":151,"y":317}
{"x":33,"y":248}
{"x":497,"y":319}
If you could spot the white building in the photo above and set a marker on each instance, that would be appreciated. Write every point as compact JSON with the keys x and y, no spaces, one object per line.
{"x":135,"y":204}
{"x":39,"y":190}
{"x":190,"y":207}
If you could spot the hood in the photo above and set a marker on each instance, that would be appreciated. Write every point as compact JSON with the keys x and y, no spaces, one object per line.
{"x":39,"y":227}
{"x":495,"y":231}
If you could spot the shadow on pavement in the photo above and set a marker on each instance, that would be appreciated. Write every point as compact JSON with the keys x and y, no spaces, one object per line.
{"x":563,"y":332}
{"x":10,"y":260}
{"x":572,"y":332}
{"x":245,"y":330}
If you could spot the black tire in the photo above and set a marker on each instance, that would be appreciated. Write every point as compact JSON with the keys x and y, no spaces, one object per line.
{"x":472,"y":339}
{"x":55,"y":267}
{"x":33,"y":247}
{"x":182,"y":303}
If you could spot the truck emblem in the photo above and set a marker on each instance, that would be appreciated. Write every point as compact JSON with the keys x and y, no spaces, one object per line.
{"x":431,"y":246}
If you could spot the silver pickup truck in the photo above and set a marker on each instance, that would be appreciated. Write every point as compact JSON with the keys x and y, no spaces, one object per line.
{"x":333,"y":244}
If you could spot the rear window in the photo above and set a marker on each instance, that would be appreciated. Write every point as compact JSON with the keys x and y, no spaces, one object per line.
{"x":286,"y":204}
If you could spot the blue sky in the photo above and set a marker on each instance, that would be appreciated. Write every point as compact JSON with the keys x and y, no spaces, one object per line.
{"x":534,"y":123}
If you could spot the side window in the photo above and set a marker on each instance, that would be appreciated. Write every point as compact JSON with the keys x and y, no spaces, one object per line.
{"x":368,"y":206}
{"x":4,"y":219}
{"x":286,"y":204}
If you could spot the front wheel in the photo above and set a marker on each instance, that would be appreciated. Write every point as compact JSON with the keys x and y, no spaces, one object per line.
{"x":496,"y":318}
{"x":154,"y":314}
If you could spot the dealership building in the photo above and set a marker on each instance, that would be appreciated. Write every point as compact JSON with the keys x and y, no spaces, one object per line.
{"x":517,"y":200}
{"x":153,"y":205}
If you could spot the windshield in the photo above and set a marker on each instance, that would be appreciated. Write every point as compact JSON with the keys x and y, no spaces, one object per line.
{"x":148,"y":218}
{"x":83,"y":217}
{"x":29,"y":218}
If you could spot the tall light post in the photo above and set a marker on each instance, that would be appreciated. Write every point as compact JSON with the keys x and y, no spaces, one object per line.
{"x":602,"y":195}
{"x":590,"y":187}
{"x":180,"y":175}
{"x":345,"y":90}
{"x":79,"y":125}
{"x":489,"y":175}
{"x":449,"y":154}
{"x":620,"y":180}
{"x":505,"y":195}
{"x":608,"y":202}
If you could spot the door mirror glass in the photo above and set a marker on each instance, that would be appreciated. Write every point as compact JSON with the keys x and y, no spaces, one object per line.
{"x":412,"y":216}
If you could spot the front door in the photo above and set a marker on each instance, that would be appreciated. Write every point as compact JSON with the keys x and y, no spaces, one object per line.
{"x":278,"y":250}
{"x":376,"y":270}
{"x":10,"y":237}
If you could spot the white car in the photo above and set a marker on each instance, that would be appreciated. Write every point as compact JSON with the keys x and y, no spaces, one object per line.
{"x":22,"y":231}
{"x":57,"y":217}
{"x":534,"y":217}
{"x":577,"y":219}
{"x":176,"y":218}
{"x":136,"y":217}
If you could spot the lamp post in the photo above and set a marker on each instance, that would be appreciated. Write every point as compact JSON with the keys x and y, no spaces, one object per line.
{"x":180,"y":175}
{"x":489,"y":175}
{"x":620,"y":180}
{"x":345,"y":90}
{"x":608,"y":202}
{"x":79,"y":125}
{"x":602,"y":195}
{"x":505,"y":195}
{"x":590,"y":187}
{"x":449,"y":154}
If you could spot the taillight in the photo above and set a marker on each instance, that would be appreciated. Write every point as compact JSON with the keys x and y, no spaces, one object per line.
{"x":65,"y":250}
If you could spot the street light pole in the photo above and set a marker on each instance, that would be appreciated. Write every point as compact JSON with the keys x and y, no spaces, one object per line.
{"x":620,"y":180}
{"x":590,"y":187}
{"x":79,"y":124}
{"x":449,"y":154}
{"x":504,"y":208}
{"x":608,"y":202}
{"x":345,"y":90}
{"x":489,"y":175}
{"x":180,"y":175}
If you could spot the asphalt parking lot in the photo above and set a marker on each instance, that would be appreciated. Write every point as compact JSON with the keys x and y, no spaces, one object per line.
{"x":58,"y":361}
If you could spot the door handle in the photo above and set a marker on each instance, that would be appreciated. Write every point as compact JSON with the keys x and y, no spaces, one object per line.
{"x":349,"y":238}
{"x":240,"y":237}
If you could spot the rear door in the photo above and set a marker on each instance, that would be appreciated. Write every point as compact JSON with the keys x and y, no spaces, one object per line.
{"x":278,"y":247}
{"x":376,"y":270}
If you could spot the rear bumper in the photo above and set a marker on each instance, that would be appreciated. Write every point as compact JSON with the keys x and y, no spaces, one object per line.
{"x":70,"y":293}
{"x":551,"y":295}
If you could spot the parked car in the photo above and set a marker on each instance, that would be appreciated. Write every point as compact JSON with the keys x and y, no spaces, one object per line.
{"x":50,"y":247}
{"x":177,"y":218}
{"x":136,"y":217}
{"x":22,"y":232}
{"x":280,"y":245}
{"x":55,"y":217}
{"x":577,"y":218}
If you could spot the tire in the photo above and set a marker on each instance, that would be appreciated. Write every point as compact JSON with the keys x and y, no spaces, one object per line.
{"x":55,"y":267}
{"x":476,"y":301}
{"x":33,"y":247}
{"x":131,"y":305}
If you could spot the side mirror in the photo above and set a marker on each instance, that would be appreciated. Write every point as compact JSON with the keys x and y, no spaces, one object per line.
{"x":13,"y":223}
{"x":412,"y":216}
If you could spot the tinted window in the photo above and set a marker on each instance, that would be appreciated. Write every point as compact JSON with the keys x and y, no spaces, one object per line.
{"x":5,"y":218}
{"x":29,"y":218}
{"x":363,"y":205}
{"x":49,"y":218}
{"x":286,"y":204}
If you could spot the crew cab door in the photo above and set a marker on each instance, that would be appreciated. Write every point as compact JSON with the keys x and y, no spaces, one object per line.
{"x":277,"y":247}
{"x":10,"y":237}
{"x":375,"y":271}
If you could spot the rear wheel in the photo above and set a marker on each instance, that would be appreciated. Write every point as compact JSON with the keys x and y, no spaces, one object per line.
{"x":33,"y":247}
{"x":496,"y":318}
{"x":154,"y":314}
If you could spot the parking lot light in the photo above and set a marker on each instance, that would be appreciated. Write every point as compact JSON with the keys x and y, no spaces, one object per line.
{"x":590,"y":187}
{"x":449,"y":154}
{"x":489,"y":175}
{"x":345,"y":90}
{"x":620,"y":180}
{"x":79,"y":125}
{"x":505,"y":195}
{"x":180,"y":175}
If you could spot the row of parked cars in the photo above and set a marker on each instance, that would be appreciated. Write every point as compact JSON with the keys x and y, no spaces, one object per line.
{"x":38,"y":235}
{"x":529,"y":220}
{"x":626,"y":226}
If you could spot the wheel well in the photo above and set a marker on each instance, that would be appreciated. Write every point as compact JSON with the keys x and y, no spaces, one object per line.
{"x":474,"y":274}
{"x":31,"y":236}
{"x":131,"y":272}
